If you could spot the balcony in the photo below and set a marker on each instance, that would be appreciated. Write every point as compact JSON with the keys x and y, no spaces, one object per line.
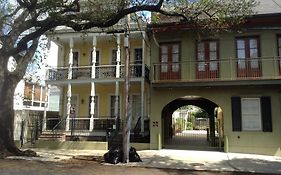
{"x":211,"y":72}
{"x":101,"y":72}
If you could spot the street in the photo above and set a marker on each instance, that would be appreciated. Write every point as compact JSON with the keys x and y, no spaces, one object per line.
{"x":85,"y":167}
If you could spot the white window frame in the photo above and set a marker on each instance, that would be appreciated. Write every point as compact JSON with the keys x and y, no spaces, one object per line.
{"x":248,"y":117}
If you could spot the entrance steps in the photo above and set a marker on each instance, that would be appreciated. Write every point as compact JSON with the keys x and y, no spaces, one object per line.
{"x":50,"y":135}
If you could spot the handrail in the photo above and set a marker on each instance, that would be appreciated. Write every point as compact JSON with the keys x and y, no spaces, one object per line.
{"x":59,"y":123}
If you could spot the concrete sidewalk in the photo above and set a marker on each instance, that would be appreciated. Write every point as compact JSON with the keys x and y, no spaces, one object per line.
{"x":180,"y":159}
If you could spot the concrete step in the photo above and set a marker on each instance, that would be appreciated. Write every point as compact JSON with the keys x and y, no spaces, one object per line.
{"x":52,"y":136}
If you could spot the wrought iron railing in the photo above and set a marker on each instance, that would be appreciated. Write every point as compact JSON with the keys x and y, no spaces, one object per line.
{"x":216,"y":70}
{"x":101,"y":72}
{"x":59,"y":73}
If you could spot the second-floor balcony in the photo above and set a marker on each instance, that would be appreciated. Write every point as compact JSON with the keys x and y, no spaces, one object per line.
{"x":224,"y":70}
{"x":101,"y":72}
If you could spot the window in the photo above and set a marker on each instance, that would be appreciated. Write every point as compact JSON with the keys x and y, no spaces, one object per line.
{"x":113,"y":105}
{"x":248,"y":53}
{"x":207,"y":59}
{"x":96,"y":100}
{"x":251,"y":114}
{"x":75,"y":58}
{"x":114,"y":57}
{"x":138,"y":62}
{"x":138,"y":56}
{"x":169,"y":61}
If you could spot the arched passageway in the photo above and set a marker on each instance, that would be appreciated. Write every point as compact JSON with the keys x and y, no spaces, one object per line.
{"x":185,"y":131}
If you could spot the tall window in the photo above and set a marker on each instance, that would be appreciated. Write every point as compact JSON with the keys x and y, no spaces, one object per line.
{"x":96,"y":100}
{"x":138,"y":56}
{"x":136,"y":109}
{"x":114,"y":57}
{"x":113,"y":105}
{"x":169,"y":59}
{"x":207,"y":56}
{"x":138,"y":62}
{"x":75,"y":58}
{"x":247,"y":51}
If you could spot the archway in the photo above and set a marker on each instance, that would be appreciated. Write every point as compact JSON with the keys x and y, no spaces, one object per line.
{"x":199,"y":133}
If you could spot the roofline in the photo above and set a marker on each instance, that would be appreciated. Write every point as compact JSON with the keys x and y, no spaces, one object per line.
{"x":257,"y":20}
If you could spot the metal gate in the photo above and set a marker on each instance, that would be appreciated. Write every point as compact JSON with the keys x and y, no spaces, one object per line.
{"x":189,"y":132}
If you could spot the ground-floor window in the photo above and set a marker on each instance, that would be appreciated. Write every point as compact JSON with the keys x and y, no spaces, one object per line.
{"x":251,"y":114}
{"x":113,"y":105}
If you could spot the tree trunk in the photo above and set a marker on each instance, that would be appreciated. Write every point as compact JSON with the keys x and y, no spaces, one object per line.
{"x":7,"y":144}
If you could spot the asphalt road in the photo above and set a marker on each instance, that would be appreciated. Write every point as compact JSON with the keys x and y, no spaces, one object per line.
{"x":84,"y":167}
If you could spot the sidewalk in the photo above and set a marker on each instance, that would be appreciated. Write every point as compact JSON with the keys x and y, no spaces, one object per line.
{"x":180,"y":159}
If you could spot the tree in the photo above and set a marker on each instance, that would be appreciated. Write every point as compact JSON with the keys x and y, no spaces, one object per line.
{"x":24,"y":21}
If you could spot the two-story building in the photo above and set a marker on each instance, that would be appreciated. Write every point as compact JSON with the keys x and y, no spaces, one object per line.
{"x":233,"y":75}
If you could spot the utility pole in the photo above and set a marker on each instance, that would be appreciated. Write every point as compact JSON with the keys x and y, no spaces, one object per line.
{"x":127,"y":127}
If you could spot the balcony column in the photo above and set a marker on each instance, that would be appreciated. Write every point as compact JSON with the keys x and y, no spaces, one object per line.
{"x":118,"y":67}
{"x":142,"y":83}
{"x":69,"y":94}
{"x":47,"y":91}
{"x":41,"y":95}
{"x":32,"y":95}
{"x":93,"y":86}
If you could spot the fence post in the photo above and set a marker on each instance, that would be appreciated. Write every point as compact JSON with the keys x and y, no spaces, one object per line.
{"x":22,"y":133}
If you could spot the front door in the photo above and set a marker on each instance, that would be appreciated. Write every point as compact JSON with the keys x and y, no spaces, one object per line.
{"x":169,"y":59}
{"x":248,"y":63}
{"x":207,"y":60}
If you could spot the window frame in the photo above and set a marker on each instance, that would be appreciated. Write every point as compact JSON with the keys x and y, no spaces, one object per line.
{"x":257,"y":117}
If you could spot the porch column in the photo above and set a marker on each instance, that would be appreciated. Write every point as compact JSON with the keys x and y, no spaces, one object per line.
{"x":142,"y":83}
{"x":93,"y":87}
{"x":70,"y":63}
{"x":118,"y":59}
{"x":41,"y":95}
{"x":47,"y":91}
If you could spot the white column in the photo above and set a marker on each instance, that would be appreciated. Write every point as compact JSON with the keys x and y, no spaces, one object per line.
{"x":41,"y":95}
{"x":93,"y":90}
{"x":142,"y":83}
{"x":32,"y":95}
{"x":118,"y":60}
{"x":70,"y":63}
{"x":118,"y":55}
{"x":47,"y":91}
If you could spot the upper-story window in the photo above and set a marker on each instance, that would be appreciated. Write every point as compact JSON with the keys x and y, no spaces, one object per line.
{"x":169,"y":61}
{"x":248,"y":53}
{"x":138,"y":62}
{"x":207,"y":59}
{"x":138,"y":56}
{"x":114,"y":57}
{"x":75,"y":58}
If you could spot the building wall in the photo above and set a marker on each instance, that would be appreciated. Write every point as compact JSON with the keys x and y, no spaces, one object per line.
{"x":227,"y":51}
{"x":244,"y":141}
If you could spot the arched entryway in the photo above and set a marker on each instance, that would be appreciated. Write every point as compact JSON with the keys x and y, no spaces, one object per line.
{"x":185,"y":131}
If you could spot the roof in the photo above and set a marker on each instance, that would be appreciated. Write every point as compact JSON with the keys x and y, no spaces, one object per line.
{"x":268,"y":6}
